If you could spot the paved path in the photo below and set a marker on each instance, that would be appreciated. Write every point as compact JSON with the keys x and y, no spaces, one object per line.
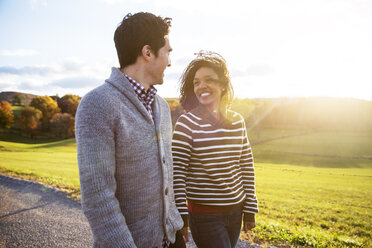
{"x":33,"y":215}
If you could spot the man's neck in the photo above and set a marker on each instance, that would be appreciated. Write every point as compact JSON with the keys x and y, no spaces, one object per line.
{"x":137,"y":74}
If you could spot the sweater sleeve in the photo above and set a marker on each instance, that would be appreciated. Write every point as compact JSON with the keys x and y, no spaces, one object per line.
{"x":181,"y":151}
{"x":246,"y":164}
{"x":96,"y":159}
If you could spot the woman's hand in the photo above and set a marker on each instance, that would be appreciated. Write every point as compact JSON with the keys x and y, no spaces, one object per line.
{"x":185,"y":234}
{"x":248,"y":226}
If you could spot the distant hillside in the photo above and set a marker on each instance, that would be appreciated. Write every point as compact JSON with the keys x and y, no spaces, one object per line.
{"x":9,"y":96}
{"x":321,"y":113}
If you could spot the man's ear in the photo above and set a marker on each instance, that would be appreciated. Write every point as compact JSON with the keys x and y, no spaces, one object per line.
{"x":146,"y":52}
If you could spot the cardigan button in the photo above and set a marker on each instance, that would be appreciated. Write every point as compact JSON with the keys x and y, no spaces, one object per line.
{"x":163,"y":160}
{"x":166,"y":191}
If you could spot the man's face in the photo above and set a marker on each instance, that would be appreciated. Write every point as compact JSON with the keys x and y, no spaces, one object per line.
{"x":159,"y":63}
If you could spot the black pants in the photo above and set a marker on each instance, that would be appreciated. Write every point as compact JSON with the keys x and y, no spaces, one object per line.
{"x":180,"y":243}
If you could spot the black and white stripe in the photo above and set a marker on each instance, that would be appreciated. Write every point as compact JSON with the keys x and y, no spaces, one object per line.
{"x":213,"y":163}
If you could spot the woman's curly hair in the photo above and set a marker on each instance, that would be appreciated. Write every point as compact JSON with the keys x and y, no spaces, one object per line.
{"x":211,"y":60}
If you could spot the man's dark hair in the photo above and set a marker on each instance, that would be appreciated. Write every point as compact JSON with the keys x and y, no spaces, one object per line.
{"x":136,"y":31}
{"x":211,"y":60}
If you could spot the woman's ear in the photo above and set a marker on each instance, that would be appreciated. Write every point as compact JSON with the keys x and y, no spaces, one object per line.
{"x":223,"y":92}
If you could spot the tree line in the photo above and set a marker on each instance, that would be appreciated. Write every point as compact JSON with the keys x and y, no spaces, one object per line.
{"x":312,"y":113}
{"x":45,"y":114}
{"x":57,"y":115}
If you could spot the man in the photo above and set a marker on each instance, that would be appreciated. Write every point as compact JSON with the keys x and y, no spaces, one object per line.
{"x":123,"y":133}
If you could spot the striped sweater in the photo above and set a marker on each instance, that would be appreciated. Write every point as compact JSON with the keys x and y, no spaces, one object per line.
{"x":213,"y":162}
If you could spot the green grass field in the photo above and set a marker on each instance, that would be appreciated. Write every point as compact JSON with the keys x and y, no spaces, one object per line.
{"x":319,"y":149}
{"x":52,"y":162}
{"x":315,"y":207}
{"x":17,"y":110}
{"x":314,"y":190}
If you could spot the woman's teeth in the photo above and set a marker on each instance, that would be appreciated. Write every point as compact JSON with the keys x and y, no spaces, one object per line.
{"x":205,"y":94}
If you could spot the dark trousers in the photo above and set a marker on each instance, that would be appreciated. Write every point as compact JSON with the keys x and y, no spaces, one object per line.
{"x":216,"y":230}
{"x":179,"y":243}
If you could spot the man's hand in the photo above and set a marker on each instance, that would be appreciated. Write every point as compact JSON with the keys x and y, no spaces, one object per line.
{"x":248,"y":226}
{"x":185,"y":234}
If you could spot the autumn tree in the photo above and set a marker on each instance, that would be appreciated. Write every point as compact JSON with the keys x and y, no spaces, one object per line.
{"x":29,"y":119}
{"x":69,"y":103}
{"x":6,"y":114}
{"x":48,"y":108}
{"x":55,"y":98}
{"x":18,"y":100}
{"x":175,"y":108}
{"x":63,"y":125}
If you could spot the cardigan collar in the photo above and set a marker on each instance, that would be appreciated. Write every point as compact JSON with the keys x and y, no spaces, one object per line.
{"x":121,"y":82}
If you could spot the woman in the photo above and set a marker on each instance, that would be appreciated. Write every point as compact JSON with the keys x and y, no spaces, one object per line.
{"x":213,"y":163}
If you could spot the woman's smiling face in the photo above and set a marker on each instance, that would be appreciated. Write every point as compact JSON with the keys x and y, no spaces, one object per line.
{"x":207,"y":88}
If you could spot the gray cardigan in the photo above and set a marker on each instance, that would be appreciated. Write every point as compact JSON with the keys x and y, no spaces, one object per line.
{"x":125,"y":167}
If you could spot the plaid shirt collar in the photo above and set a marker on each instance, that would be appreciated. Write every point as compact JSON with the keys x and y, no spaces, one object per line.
{"x":147,"y":98}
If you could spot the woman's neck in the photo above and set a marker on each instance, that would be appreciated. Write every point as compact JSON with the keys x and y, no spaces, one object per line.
{"x":217,"y":112}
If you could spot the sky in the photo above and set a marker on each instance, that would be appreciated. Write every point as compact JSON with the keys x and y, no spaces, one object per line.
{"x":286,"y":48}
